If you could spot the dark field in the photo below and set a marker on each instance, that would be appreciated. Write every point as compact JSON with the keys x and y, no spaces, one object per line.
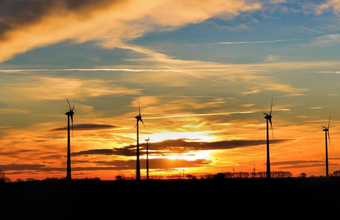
{"x":315,"y":198}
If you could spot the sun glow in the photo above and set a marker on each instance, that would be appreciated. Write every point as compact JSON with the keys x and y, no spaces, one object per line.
{"x":204,"y":136}
{"x":189,"y":156}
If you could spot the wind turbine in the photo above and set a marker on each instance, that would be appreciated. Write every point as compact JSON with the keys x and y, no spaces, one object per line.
{"x":268,"y":118}
{"x":254,"y":171}
{"x":327,"y":136}
{"x":139,"y":118}
{"x":147,"y":157}
{"x":69,"y":114}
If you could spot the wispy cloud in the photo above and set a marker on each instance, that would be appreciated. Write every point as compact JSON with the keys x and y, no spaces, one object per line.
{"x":80,"y":20}
{"x":256,"y":42}
{"x":301,"y":163}
{"x":277,"y":1}
{"x":316,"y":107}
{"x":329,"y":39}
{"x":160,"y":163}
{"x":32,"y":87}
{"x":337,"y":72}
{"x":87,"y":127}
{"x":333,"y":5}
{"x":201,"y":114}
{"x":177,"y":146}
{"x":164,"y":164}
{"x":271,"y":58}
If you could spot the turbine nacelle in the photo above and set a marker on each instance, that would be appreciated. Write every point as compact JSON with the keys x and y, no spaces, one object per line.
{"x":329,"y":123}
{"x":326,"y":130}
{"x":269,"y":117}
{"x":69,"y":113}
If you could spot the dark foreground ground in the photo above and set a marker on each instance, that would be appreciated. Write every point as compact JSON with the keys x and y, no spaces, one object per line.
{"x":293,"y":198}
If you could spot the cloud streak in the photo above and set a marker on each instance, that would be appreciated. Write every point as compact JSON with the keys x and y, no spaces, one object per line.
{"x":302,"y":163}
{"x":210,"y":114}
{"x":84,"y":127}
{"x":256,"y":42}
{"x":177,"y":146}
{"x":163,"y":164}
{"x":155,"y":163}
{"x":329,"y":39}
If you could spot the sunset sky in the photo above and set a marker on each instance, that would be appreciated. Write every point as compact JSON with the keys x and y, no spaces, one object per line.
{"x":205,"y":71}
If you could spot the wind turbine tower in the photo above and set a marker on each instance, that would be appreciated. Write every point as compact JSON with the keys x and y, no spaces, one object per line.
{"x":139,"y":119}
{"x":327,"y":137}
{"x":268,"y":118}
{"x":69,"y":114}
{"x":147,"y":157}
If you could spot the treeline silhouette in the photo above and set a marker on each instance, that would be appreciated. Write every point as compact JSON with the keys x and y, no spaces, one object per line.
{"x":225,"y":175}
{"x":275,"y":174}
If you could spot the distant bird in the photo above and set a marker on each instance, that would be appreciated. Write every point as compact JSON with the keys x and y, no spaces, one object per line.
{"x":147,"y":157}
{"x":268,"y":118}
{"x":69,"y":114}
{"x":139,"y":119}
{"x":327,"y":137}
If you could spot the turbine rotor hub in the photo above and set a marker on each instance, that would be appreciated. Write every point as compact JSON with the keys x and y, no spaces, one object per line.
{"x":70,"y":113}
{"x":268,"y":117}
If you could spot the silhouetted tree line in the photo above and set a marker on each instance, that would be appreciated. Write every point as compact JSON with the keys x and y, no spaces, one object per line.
{"x":275,"y":174}
{"x":336,"y":173}
{"x":3,"y":178}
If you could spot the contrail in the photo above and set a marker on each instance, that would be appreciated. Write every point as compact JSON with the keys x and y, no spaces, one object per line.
{"x":202,"y":114}
{"x":47,"y":91}
{"x":256,"y":42}
{"x":109,"y":70}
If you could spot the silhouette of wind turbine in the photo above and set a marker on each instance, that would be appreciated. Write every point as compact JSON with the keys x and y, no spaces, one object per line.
{"x":327,"y":136}
{"x":268,"y":118}
{"x":139,"y":119}
{"x":147,"y":157}
{"x":69,"y":114}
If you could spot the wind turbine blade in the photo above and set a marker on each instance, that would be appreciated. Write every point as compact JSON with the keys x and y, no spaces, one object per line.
{"x":329,"y":122}
{"x":139,"y":106}
{"x":271,"y":126}
{"x":68,"y":103}
{"x":265,"y":114}
{"x":271,"y":108}
{"x":142,"y":122}
{"x":74,"y":103}
{"x":329,"y":137}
